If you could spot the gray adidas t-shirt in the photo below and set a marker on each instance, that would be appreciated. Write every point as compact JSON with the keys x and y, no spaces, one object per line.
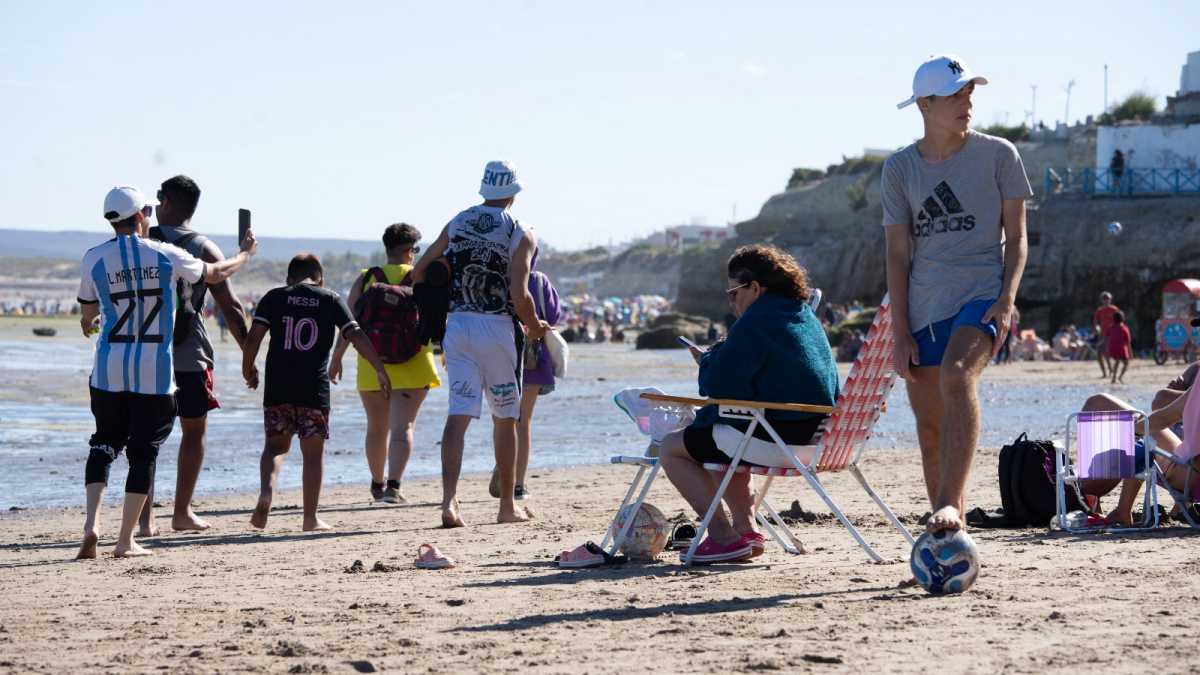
{"x":953,"y":210}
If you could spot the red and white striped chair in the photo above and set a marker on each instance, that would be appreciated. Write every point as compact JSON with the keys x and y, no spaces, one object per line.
{"x":838,"y":447}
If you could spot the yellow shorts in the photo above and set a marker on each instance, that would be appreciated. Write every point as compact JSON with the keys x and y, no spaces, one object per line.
{"x":419,"y":372}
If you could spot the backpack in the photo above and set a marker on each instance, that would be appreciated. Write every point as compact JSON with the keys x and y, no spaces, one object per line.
{"x":1027,"y":486}
{"x":388,"y":314}
{"x":191,"y":296}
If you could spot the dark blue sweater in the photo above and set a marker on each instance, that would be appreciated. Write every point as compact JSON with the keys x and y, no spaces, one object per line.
{"x":776,"y":352}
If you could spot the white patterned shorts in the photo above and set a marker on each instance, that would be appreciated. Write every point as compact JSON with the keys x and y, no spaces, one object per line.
{"x":481,"y":360}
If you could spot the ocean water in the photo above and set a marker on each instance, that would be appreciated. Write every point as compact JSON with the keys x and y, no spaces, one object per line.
{"x":44,"y":428}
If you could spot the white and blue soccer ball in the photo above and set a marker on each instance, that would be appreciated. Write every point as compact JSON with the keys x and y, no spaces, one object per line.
{"x":945,"y":561}
{"x":1115,"y":228}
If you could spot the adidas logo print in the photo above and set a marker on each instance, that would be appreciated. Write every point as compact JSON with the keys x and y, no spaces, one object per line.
{"x":942,"y":212}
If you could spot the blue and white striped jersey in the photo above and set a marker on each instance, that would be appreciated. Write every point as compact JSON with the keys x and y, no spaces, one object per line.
{"x":133,"y":279}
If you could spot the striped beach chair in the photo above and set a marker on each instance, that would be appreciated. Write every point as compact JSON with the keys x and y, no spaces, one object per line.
{"x":1105,"y":448}
{"x":837,"y":447}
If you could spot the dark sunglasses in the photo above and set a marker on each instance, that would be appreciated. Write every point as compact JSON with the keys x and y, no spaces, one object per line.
{"x":732,"y":292}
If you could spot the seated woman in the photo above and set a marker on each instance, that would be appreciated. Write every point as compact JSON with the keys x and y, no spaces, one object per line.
{"x":1183,"y":408}
{"x":777,"y":352}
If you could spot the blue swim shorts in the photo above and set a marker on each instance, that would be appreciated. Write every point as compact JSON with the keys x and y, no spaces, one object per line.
{"x":932,"y":339}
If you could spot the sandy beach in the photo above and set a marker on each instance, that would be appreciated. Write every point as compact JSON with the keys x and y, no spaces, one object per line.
{"x":234,"y":599}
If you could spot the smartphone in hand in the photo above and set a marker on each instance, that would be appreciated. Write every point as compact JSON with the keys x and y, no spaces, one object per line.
{"x":243,"y":225}
{"x":688,"y":343}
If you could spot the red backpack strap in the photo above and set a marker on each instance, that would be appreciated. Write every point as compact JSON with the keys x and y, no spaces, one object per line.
{"x":407,"y":280}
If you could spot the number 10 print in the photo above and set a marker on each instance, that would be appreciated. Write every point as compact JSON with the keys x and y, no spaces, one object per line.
{"x":299,"y":335}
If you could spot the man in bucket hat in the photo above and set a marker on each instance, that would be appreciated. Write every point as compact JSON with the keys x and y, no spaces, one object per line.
{"x":490,"y":254}
{"x":954,"y":217}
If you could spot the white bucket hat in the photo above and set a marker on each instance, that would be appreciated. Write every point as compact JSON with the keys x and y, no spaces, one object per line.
{"x":941,"y":75}
{"x":124,"y":201}
{"x":499,"y":181}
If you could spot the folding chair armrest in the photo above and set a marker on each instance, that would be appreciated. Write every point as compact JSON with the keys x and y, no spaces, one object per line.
{"x":761,"y":405}
{"x":1165,"y":455}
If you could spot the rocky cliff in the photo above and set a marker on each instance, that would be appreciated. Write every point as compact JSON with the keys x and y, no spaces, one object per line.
{"x":833,"y":226}
{"x":636,"y":271}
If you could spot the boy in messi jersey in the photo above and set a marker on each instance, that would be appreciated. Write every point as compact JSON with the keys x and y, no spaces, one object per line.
{"x":303,"y":318}
{"x":126,"y":292}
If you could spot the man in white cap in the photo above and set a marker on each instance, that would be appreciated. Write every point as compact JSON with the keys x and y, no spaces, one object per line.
{"x":127,"y":296}
{"x":490,"y":255}
{"x":954,"y":217}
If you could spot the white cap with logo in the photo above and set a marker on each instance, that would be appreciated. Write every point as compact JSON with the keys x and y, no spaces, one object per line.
{"x":499,"y":181}
{"x":941,"y":75}
{"x":124,"y":201}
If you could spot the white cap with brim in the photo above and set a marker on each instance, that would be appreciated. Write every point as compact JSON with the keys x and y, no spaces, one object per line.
{"x":124,"y":201}
{"x":941,"y":75}
{"x":499,"y":181}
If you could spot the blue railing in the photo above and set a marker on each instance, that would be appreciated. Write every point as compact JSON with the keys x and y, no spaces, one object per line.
{"x":1127,"y":183}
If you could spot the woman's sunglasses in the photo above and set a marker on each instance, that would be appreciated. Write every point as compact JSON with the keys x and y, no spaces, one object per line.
{"x":731,"y":293}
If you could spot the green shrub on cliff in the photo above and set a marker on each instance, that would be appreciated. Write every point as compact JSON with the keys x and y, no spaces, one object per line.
{"x":852,"y":166}
{"x":1013,"y":134}
{"x":800,"y":176}
{"x":1138,"y":106}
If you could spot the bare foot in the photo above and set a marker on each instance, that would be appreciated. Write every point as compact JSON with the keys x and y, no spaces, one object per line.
{"x":261,"y":511}
{"x":945,"y":518}
{"x":316,"y":525}
{"x":133,"y":550}
{"x":517,"y":515}
{"x":151,"y":531}
{"x":190,"y":522}
{"x":450,"y":517}
{"x":87,"y":550}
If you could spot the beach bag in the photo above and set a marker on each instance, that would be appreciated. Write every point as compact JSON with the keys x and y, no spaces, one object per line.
{"x":388,"y":314}
{"x":552,"y":343}
{"x":191,"y":296}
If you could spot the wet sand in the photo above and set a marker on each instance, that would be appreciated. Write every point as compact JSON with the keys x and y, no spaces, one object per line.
{"x":233,"y":599}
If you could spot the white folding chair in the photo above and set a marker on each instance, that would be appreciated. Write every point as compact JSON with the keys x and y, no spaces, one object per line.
{"x":839,"y":446}
{"x":1105,"y":449}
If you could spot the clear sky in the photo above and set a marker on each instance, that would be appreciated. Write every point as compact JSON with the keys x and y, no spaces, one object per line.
{"x":333,"y":119}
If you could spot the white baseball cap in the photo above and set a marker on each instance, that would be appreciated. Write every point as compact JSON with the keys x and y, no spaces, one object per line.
{"x":124,"y":201}
{"x":499,"y":181}
{"x":941,"y":75}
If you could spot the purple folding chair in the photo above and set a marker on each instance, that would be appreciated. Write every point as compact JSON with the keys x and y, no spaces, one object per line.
{"x":1106,"y":448}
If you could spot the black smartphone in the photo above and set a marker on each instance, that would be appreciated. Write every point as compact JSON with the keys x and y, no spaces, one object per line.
{"x":243,"y":225}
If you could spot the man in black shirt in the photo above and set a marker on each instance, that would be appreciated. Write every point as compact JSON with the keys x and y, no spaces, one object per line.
{"x":303,"y":318}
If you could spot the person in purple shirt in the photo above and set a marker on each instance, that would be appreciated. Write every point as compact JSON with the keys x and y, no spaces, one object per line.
{"x":538,"y":379}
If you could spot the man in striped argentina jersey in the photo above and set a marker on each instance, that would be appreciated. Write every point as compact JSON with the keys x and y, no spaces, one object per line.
{"x":126,"y":292}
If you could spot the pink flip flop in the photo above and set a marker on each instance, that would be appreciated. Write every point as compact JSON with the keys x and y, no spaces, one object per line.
{"x":430,"y":558}
{"x":587,"y":555}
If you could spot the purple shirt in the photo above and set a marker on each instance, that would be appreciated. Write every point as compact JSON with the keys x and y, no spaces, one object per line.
{"x":549,"y":309}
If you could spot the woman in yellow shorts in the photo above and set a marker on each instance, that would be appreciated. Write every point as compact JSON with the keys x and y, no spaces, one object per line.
{"x":390,"y":423}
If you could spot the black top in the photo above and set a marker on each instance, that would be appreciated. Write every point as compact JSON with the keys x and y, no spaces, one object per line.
{"x":303,"y":320}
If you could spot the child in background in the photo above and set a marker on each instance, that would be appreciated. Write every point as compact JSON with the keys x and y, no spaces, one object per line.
{"x":1117,"y":343}
{"x":303,"y":318}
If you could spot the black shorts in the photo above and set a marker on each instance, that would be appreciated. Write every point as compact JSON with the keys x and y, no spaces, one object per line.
{"x":139,"y":422}
{"x":699,"y":443}
{"x":195,"y":393}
